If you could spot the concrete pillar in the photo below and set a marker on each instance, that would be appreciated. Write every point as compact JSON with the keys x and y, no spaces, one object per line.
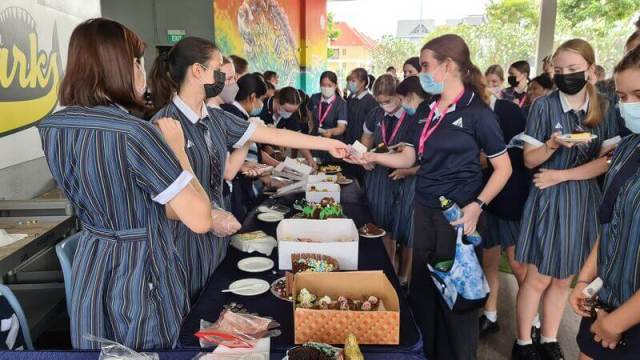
{"x":546,"y":30}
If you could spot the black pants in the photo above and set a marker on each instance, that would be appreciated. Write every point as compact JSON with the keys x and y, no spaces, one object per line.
{"x":447,"y":335}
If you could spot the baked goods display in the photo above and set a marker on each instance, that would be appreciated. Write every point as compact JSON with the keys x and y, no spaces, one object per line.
{"x":307,"y":300}
{"x":314,"y":351}
{"x":313,"y":263}
{"x":326,"y":209}
{"x":283,"y":287}
{"x":371,"y":230}
{"x":254,"y":235}
{"x":330,"y":169}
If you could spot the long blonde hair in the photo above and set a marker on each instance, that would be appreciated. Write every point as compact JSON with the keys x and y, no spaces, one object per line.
{"x":584,"y":49}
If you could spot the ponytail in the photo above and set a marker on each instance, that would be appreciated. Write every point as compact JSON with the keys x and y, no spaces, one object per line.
{"x":455,"y":48}
{"x":596,"y":105}
{"x":161,"y":85}
{"x":170,"y":69}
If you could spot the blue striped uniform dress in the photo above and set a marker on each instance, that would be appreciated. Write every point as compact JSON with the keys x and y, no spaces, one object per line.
{"x":560,"y":223}
{"x":391,"y":202}
{"x":619,"y":251}
{"x":117,"y":171}
{"x":202,"y":253}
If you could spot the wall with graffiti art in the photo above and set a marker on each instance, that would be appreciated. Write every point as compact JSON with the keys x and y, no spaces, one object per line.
{"x":34,"y":37}
{"x":286,"y":36}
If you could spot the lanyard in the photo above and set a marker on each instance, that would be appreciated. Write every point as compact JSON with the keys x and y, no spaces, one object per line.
{"x":521,"y":101}
{"x":395,"y":130}
{"x":426,"y":132}
{"x":326,"y":113}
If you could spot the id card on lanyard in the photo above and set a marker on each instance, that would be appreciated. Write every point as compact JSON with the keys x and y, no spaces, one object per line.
{"x":321,"y":118}
{"x":383,"y":128}
{"x":426,"y":132}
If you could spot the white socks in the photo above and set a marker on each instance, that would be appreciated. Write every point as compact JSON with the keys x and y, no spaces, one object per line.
{"x":536,"y":321}
{"x":524,"y":342}
{"x":491,"y":315}
{"x":544,"y":340}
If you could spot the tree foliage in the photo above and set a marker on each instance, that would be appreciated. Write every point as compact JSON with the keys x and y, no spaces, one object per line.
{"x":332,"y":32}
{"x":392,"y":51}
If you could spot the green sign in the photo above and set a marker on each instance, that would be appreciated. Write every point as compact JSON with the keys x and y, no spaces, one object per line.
{"x":173,"y":36}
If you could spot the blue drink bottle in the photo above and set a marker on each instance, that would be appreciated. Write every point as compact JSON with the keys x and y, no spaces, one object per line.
{"x":452,"y":212}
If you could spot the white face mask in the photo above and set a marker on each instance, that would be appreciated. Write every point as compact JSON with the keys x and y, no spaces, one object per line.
{"x":229,"y":92}
{"x":327,"y":91}
{"x":285,"y":114}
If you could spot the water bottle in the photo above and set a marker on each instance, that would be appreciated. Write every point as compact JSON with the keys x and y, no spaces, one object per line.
{"x":452,"y":212}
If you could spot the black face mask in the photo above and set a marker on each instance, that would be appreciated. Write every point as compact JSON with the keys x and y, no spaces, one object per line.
{"x":213,"y":90}
{"x":512,"y":81}
{"x":570,"y":84}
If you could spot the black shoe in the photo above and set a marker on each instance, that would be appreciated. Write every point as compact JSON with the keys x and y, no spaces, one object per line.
{"x":487,"y":326}
{"x":535,"y":334}
{"x":550,"y":351}
{"x":524,"y":352}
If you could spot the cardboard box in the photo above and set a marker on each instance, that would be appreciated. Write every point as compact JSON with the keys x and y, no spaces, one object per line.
{"x":337,"y":238}
{"x":333,"y":191}
{"x":314,"y":179}
{"x":333,"y":326}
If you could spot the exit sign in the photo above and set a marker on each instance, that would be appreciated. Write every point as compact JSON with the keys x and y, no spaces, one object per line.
{"x":173,"y":36}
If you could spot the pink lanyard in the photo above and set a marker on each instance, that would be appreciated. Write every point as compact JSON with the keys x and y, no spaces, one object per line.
{"x":426,"y":132}
{"x":323,"y":118}
{"x":521,"y":101}
{"x":395,"y":130}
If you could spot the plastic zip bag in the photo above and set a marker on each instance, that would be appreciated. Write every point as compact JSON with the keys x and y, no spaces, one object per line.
{"x":236,"y":330}
{"x":111,"y":350}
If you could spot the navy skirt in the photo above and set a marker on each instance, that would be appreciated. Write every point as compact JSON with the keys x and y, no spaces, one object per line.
{"x":631,"y":351}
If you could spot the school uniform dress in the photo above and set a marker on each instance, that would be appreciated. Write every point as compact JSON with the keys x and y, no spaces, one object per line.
{"x":359,"y":108}
{"x":243,"y":192}
{"x":391,"y":202}
{"x":505,"y":211}
{"x":270,"y":118}
{"x":450,"y":167}
{"x":619,"y":249}
{"x":559,"y":223}
{"x":128,"y":278}
{"x":327,"y":114}
{"x":208,"y":135}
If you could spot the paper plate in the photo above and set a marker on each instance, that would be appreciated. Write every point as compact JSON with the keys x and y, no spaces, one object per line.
{"x":255,"y":264}
{"x":275,"y":293}
{"x":278,"y":209}
{"x":260,"y":287}
{"x":369,"y":236}
{"x":270,"y":217}
{"x":345,"y":182}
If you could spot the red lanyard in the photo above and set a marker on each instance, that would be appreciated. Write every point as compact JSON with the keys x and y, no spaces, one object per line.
{"x":426,"y":132}
{"x":326,"y":113}
{"x":395,"y":130}
{"x":521,"y":101}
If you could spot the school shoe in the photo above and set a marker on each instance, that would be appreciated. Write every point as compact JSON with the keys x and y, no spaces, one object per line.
{"x":487,"y":326}
{"x":550,"y":351}
{"x":524,"y":352}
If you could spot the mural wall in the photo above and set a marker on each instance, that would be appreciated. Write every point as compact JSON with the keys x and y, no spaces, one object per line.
{"x":34,"y":36}
{"x":286,"y":36}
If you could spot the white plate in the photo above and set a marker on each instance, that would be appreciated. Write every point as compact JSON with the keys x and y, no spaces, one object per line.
{"x":275,"y":293}
{"x":255,"y":264}
{"x":566,"y":137}
{"x":261,"y":287}
{"x":373,"y":236}
{"x":346,"y":182}
{"x":270,"y":217}
{"x":281,"y":209}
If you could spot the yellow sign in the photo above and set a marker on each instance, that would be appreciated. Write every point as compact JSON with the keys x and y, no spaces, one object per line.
{"x":29,"y":76}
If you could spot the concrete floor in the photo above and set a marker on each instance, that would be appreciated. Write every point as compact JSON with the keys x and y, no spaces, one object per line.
{"x":498,"y":346}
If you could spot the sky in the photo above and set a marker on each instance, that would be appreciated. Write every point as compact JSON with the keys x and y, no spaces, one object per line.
{"x":376,"y":17}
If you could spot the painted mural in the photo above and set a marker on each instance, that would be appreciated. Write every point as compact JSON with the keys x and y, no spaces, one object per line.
{"x":286,"y":36}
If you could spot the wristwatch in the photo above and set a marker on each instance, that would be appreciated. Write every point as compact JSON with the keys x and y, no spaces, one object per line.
{"x":480,"y":203}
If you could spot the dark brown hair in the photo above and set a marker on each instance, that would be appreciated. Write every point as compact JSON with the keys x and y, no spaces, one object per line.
{"x":451,"y":46}
{"x":361,"y":74}
{"x":633,"y":37}
{"x":522,"y":66}
{"x":240,"y":64}
{"x":584,"y":49}
{"x":411,"y":85}
{"x":630,"y":61}
{"x":268,"y":75}
{"x":414,"y":62}
{"x":288,"y":95}
{"x":385,"y":84}
{"x":100,"y":66}
{"x":170,"y":69}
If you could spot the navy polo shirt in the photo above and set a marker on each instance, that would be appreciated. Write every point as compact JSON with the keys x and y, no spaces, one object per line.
{"x":450,"y":165}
